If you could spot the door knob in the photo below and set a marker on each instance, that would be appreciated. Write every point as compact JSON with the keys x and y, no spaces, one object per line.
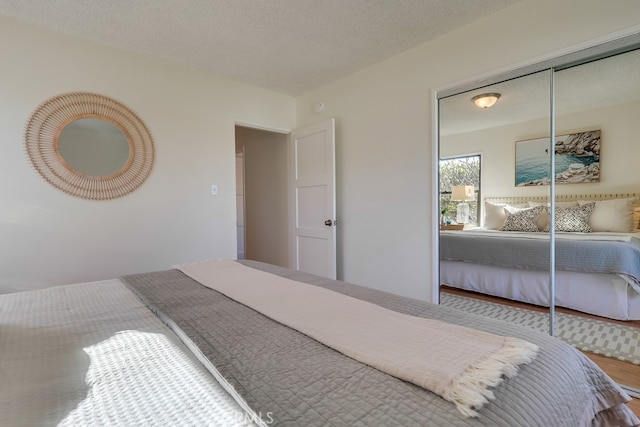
{"x":328,"y":223}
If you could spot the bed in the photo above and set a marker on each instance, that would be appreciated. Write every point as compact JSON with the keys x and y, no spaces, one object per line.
{"x":162,"y":348}
{"x":597,"y":272}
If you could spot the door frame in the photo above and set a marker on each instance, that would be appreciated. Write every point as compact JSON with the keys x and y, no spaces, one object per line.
{"x":290,"y":174}
{"x":257,"y":127}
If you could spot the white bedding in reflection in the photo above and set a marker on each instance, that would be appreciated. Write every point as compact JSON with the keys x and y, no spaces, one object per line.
{"x":600,"y":236}
{"x":606,"y":295}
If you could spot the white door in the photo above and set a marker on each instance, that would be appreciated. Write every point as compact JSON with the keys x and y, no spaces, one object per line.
{"x":313,"y":199}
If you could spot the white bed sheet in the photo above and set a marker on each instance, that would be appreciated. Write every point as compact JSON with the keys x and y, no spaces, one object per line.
{"x":560,"y":235}
{"x":606,"y":295}
{"x":92,"y":354}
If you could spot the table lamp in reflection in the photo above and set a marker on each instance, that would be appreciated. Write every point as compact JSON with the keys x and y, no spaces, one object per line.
{"x":462,"y":193}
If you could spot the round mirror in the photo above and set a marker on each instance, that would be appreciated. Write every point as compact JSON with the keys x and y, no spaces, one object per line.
{"x":94,"y":147}
{"x":89,"y":146}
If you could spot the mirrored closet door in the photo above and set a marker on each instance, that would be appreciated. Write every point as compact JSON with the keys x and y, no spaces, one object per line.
{"x":597,"y":112}
{"x":494,"y":257}
{"x":559,"y":255}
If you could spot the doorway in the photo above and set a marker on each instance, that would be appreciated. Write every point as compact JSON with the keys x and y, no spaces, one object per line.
{"x":240,"y":202}
{"x":262,"y":195}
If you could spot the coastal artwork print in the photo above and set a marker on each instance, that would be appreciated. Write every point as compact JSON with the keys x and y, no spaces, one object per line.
{"x":577,"y":157}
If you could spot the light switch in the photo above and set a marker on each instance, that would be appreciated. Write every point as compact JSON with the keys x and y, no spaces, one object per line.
{"x":214,"y":189}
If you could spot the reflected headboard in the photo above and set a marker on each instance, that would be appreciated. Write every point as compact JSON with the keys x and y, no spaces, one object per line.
{"x":520,"y":200}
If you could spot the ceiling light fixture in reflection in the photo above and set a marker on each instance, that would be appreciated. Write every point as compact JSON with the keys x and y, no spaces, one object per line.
{"x":485,"y":100}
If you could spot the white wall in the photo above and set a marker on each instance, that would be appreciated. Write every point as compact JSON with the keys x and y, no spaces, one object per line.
{"x":619,"y":148}
{"x":266,"y":195}
{"x":384,"y":131}
{"x":48,"y":237}
{"x":384,"y":136}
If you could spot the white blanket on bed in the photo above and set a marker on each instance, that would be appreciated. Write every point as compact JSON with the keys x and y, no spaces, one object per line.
{"x":458,"y":363}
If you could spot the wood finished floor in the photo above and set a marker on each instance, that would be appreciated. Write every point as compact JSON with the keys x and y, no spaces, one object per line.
{"x":622,"y":372}
{"x":635,"y":406}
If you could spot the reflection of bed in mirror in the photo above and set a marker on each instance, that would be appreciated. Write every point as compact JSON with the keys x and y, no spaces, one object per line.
{"x":597,"y":272}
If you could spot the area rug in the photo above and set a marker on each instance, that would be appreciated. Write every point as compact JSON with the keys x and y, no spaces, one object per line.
{"x":596,"y":336}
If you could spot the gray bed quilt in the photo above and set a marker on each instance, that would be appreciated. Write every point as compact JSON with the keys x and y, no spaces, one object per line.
{"x":505,"y":249}
{"x":296,"y":381}
{"x":92,"y":355}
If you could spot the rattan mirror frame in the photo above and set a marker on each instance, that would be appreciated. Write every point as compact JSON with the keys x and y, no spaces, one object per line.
{"x":41,"y":143}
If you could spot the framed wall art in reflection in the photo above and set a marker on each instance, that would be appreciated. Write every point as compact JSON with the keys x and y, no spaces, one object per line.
{"x":577,"y":157}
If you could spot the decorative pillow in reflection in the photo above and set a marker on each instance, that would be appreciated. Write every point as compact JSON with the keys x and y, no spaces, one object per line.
{"x":574,"y":219}
{"x":495,"y":215}
{"x":521,"y":219}
{"x":543,"y":219}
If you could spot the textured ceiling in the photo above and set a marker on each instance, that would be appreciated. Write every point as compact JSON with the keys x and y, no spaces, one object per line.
{"x":289,"y":46}
{"x":611,"y":81}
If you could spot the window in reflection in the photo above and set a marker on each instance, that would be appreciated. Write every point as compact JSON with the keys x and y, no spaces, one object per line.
{"x":460,"y":190}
